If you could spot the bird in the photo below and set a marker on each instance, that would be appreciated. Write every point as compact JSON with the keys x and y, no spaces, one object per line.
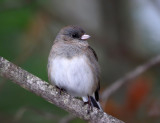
{"x":73,"y":65}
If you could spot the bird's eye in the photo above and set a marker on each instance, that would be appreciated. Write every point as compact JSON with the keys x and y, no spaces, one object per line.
{"x":75,"y":35}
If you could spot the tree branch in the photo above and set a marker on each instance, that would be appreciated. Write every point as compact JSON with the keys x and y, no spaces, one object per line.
{"x":128,"y":77}
{"x":51,"y":94}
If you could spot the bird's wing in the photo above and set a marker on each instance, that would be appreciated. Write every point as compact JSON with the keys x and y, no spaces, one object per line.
{"x":98,"y":87}
{"x":95,"y":55}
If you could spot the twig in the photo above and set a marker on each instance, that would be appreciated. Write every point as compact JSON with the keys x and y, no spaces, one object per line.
{"x":128,"y":77}
{"x":50,"y":93}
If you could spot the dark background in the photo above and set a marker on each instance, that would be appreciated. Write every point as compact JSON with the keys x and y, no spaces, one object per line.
{"x":124,"y":34}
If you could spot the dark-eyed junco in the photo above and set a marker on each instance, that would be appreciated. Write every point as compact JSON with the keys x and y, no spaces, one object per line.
{"x":73,"y":65}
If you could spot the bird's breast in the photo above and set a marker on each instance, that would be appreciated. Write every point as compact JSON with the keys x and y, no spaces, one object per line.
{"x":74,"y":75}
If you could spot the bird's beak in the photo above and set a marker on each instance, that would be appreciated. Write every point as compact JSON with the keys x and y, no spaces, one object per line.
{"x":85,"y":37}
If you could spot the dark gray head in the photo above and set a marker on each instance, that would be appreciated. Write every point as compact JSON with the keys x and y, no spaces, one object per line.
{"x":70,"y":33}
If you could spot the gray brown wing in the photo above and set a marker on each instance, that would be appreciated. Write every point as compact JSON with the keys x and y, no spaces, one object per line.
{"x":95,"y":55}
{"x":98,"y":87}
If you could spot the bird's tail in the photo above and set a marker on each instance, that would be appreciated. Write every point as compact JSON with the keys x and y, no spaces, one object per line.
{"x":95,"y":103}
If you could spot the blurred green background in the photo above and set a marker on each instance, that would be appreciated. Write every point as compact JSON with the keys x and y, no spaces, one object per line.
{"x":124,"y":34}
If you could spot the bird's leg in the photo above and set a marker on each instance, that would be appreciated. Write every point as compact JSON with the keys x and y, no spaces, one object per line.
{"x":90,"y":104}
{"x":90,"y":107}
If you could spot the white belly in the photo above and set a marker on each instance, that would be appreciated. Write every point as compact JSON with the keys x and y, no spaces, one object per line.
{"x":74,"y":75}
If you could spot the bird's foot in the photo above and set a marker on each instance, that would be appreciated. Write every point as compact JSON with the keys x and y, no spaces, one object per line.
{"x":60,"y":90}
{"x":90,"y":107}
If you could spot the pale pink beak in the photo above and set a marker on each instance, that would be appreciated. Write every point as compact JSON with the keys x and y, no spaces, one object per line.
{"x":85,"y":37}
